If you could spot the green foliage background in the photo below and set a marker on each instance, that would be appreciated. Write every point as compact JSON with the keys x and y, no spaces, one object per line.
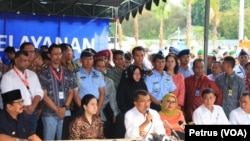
{"x":227,"y":29}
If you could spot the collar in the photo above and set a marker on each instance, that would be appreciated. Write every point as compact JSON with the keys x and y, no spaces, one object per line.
{"x":205,"y":109}
{"x":202,"y":77}
{"x":84,"y":71}
{"x":19,"y":70}
{"x":55,"y":69}
{"x":116,"y":69}
{"x":138,"y":112}
{"x":94,"y":117}
{"x":231,"y":75}
{"x":186,"y":68}
{"x":156,"y":72}
{"x":9,"y":117}
{"x":244,"y":111}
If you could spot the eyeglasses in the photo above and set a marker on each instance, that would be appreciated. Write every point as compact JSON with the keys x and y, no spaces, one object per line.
{"x":170,"y":102}
{"x":19,"y":102}
{"x":243,"y":102}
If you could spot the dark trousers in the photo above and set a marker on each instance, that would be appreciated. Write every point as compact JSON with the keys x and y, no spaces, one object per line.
{"x":108,"y":125}
{"x":120,"y":126}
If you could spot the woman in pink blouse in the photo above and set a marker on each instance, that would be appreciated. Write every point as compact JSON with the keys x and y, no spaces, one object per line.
{"x":172,"y":67}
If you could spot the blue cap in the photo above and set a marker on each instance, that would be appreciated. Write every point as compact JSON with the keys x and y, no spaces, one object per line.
{"x":174,"y":50}
{"x":243,"y":52}
{"x":183,"y":52}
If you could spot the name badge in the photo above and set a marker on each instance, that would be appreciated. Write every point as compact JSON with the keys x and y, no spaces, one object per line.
{"x":197,"y":92}
{"x":61,"y":95}
{"x":230,"y":92}
{"x":67,"y":113}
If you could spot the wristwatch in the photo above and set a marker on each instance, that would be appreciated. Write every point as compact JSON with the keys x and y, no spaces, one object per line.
{"x":67,"y":107}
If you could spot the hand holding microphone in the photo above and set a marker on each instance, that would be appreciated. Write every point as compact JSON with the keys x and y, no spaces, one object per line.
{"x":149,"y":117}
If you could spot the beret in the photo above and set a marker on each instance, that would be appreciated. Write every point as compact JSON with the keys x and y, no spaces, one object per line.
{"x":174,"y":50}
{"x":243,"y":52}
{"x":183,"y":52}
{"x":102,"y":53}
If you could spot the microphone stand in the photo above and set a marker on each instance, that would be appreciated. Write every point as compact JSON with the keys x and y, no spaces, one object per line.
{"x":172,"y":130}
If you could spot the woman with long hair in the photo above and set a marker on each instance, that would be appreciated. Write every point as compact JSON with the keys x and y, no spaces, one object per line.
{"x":172,"y":67}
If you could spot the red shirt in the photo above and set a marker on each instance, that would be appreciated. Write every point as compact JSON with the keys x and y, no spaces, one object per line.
{"x":193,"y":94}
{"x":247,"y":83}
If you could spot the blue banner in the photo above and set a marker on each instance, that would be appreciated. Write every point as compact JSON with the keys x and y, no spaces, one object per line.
{"x":80,"y":32}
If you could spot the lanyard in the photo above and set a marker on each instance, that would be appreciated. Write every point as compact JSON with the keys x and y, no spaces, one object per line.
{"x":59,"y":79}
{"x":24,"y":80}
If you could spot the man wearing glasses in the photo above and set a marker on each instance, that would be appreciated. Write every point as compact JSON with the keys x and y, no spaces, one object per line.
{"x":14,"y":123}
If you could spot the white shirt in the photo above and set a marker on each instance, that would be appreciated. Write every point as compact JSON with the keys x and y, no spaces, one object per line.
{"x":11,"y":81}
{"x":238,"y":116}
{"x":202,"y":115}
{"x":240,"y":71}
{"x":134,"y":118}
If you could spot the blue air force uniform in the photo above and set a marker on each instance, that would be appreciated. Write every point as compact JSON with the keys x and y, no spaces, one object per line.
{"x":90,"y":82}
{"x":159,"y":85}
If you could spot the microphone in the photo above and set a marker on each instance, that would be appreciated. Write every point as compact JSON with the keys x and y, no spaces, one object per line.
{"x":182,"y":124}
{"x":147,"y":111}
{"x":172,"y":130}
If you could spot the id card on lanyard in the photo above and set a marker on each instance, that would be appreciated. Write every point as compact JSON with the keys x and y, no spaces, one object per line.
{"x":59,"y":81}
{"x":197,"y":92}
{"x":24,"y":79}
{"x":61,"y":95}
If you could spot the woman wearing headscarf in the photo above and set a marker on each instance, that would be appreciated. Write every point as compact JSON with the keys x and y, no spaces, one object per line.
{"x":171,"y":115}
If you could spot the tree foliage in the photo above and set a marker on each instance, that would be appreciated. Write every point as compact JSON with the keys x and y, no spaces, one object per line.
{"x":229,"y":25}
{"x":227,"y":29}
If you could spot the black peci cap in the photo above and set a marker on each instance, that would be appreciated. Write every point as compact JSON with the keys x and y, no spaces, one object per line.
{"x":10,"y":96}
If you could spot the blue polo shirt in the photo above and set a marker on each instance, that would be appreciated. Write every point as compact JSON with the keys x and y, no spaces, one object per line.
{"x":90,"y":82}
{"x":186,"y":72}
{"x":159,"y":85}
{"x":20,"y":128}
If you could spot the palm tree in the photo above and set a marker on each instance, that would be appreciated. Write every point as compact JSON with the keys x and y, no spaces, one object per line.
{"x":136,"y":30}
{"x":189,"y":22}
{"x":120,"y":34}
{"x":161,"y":12}
{"x":215,"y":19}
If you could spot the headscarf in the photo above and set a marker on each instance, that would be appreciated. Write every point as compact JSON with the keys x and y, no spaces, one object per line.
{"x":129,"y":72}
{"x":165,"y":111}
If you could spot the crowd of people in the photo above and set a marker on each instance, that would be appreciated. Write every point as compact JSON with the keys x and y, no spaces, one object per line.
{"x":48,"y":95}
